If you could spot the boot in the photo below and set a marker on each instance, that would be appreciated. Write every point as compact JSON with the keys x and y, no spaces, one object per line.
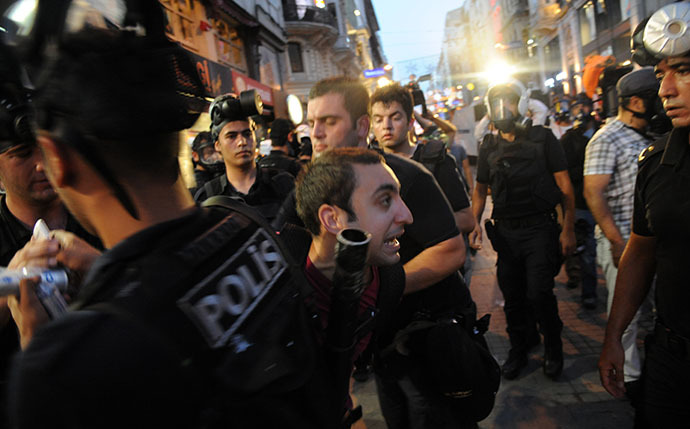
{"x":553,"y":358}
{"x":515,"y":362}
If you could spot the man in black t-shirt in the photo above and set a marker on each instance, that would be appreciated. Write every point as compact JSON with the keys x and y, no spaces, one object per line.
{"x":282,"y":131}
{"x":526,"y":170}
{"x":391,"y":119}
{"x":431,"y":250}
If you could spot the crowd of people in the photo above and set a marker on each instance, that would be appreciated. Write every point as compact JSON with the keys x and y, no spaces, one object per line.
{"x":246,"y":300}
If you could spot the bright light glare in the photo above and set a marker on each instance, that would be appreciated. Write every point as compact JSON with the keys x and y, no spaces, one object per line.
{"x":383,"y":82}
{"x":561,"y":76}
{"x":357,"y":12}
{"x":20,"y":11}
{"x":499,"y":72}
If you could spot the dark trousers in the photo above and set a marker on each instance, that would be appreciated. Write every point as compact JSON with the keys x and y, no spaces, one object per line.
{"x":405,"y":406}
{"x":582,"y":265}
{"x":528,"y":260}
{"x":665,"y":387}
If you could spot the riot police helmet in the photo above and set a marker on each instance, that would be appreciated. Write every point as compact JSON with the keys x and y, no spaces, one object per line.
{"x":664,"y":34}
{"x":105,"y":76}
{"x":228,"y":108}
{"x":16,"y":114}
{"x":208,"y":157}
{"x":499,"y":98}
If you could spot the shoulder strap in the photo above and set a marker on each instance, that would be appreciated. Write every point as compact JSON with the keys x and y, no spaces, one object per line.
{"x":232,"y":204}
{"x":431,"y":154}
{"x":393,"y":278}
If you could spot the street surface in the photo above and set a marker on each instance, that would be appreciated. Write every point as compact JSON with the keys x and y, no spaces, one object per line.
{"x":576,"y":400}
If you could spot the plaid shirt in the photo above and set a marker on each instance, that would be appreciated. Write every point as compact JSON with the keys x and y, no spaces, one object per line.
{"x":614,"y":150}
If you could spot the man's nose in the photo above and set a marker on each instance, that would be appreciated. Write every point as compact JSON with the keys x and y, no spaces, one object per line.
{"x":667,"y":87}
{"x":404,"y":215}
{"x":317,"y":130}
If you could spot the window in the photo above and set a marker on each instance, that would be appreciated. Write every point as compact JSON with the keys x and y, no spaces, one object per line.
{"x":229,"y":46}
{"x":295,"y":54}
{"x":179,"y":23}
{"x":587,"y":23}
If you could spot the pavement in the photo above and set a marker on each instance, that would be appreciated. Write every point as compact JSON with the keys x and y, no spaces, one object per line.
{"x":575,"y":400}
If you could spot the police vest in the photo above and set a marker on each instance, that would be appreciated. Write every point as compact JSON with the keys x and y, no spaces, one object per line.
{"x":228,"y":302}
{"x":520,"y":181}
{"x":266,"y":196}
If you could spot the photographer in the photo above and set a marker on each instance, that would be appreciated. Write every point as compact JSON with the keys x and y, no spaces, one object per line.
{"x":28,"y":197}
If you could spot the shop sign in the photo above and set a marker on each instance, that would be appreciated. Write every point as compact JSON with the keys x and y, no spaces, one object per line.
{"x":216,"y":78}
{"x":242,"y":82}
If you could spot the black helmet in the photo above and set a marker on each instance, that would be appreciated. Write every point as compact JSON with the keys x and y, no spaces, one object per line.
{"x":82,"y":64}
{"x":16,"y":115}
{"x":228,"y":108}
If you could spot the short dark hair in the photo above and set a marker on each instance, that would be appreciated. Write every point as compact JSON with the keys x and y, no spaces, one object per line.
{"x":353,"y":91}
{"x":120,"y":97}
{"x":393,"y":93}
{"x":280,"y":130}
{"x":330,"y":179}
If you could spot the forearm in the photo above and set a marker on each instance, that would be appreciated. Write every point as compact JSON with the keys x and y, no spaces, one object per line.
{"x":434,"y":264}
{"x":568,"y":204}
{"x":464,"y":219}
{"x":596,"y":201}
{"x":634,"y":280}
{"x":479,"y":201}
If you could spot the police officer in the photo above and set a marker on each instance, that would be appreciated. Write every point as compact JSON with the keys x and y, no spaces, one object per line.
{"x":581,"y":265}
{"x":659,"y":240}
{"x":232,"y":131}
{"x":525,"y":168}
{"x":208,"y":163}
{"x":154,"y":337}
{"x":283,"y":138}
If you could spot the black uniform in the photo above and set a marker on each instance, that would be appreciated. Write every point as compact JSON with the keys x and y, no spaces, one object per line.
{"x":266,"y":194}
{"x":194,"y":322}
{"x":433,"y":223}
{"x":13,"y":236}
{"x":524,"y":192}
{"x":277,"y":160}
{"x":662,"y":210}
{"x":203,"y":176}
{"x":582,"y":264}
{"x":445,"y":170}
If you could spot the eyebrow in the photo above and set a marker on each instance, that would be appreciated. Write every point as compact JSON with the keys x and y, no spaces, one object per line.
{"x":237,"y":132}
{"x":386,"y":187}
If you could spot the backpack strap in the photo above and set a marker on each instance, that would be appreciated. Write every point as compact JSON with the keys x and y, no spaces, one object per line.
{"x":431,"y":154}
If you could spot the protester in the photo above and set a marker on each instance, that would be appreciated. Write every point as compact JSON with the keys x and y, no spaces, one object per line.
{"x":609,"y":186}
{"x":352,"y":188}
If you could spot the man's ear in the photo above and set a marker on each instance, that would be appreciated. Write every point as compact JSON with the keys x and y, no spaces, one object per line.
{"x":363,"y":128}
{"x":330,"y":218}
{"x":637,"y":103}
{"x":216,"y":146}
{"x":56,"y":160}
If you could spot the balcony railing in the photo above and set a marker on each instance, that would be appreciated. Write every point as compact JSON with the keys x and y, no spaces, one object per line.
{"x":308,"y":14}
